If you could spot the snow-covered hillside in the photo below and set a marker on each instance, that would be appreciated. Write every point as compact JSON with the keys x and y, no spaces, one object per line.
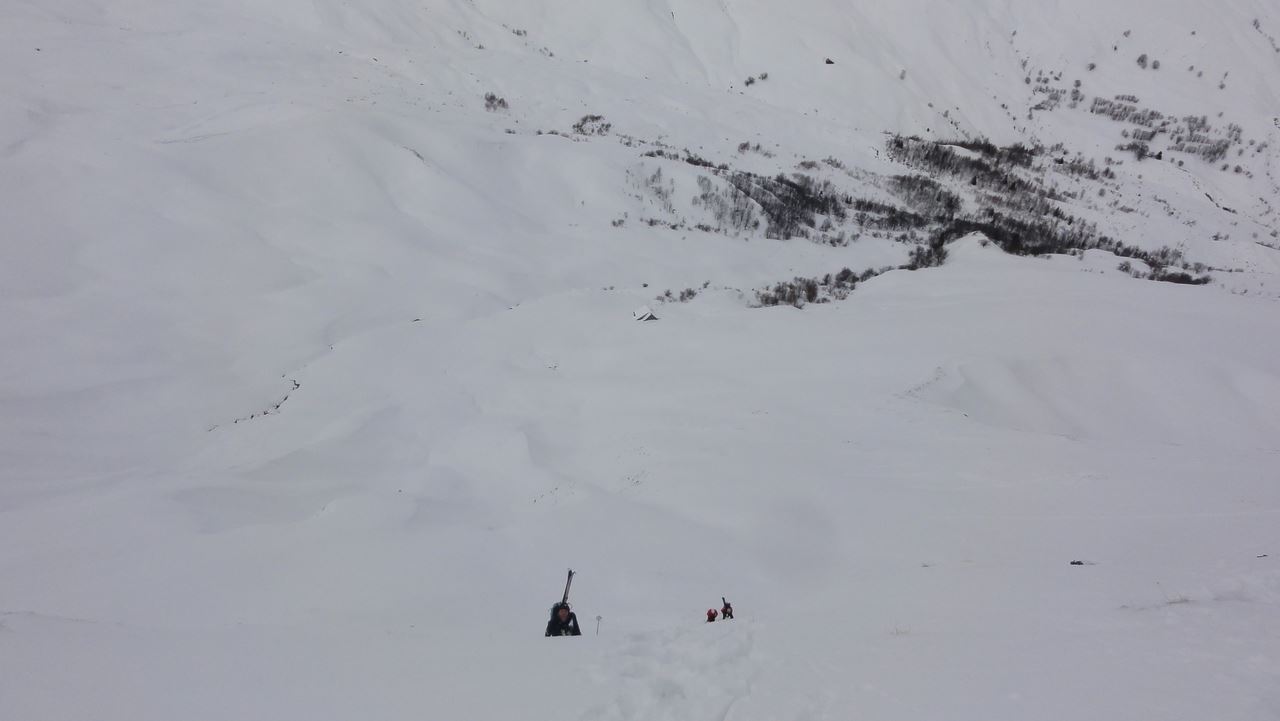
{"x":319,"y":364}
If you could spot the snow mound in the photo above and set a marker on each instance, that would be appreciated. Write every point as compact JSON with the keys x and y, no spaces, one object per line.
{"x":1109,"y":394}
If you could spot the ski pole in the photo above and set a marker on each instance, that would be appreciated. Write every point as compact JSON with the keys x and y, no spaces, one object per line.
{"x":598,"y":619}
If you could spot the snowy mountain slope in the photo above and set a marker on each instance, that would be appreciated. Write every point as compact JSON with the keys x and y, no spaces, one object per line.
{"x":317,"y":372}
{"x":392,"y":563}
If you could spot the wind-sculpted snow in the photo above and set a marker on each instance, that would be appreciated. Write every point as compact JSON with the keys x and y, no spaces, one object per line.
{"x":1160,"y":399}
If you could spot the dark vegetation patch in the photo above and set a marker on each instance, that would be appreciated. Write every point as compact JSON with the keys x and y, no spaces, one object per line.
{"x":493,"y":103}
{"x":1014,"y":210}
{"x":954,"y":188}
{"x":791,"y":205}
{"x":592,"y":125}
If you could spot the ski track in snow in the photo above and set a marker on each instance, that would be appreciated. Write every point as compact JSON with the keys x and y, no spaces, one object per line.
{"x":701,"y":672}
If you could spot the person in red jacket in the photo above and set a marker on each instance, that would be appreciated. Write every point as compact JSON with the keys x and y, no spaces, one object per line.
{"x":711,"y":615}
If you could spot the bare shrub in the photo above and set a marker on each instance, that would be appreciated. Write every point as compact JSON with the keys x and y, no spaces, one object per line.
{"x":592,"y":125}
{"x":493,"y":103}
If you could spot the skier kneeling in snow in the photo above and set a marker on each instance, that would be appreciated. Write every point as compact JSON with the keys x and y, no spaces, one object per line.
{"x":564,"y":622}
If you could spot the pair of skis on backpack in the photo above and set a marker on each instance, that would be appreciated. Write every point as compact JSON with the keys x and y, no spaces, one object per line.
{"x":564,"y":622}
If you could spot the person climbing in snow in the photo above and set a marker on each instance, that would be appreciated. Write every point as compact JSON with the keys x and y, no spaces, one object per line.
{"x":564,"y":622}
{"x":711,"y":615}
{"x":726,"y":613}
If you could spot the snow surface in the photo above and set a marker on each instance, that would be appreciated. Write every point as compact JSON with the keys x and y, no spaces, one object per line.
{"x":315,"y":378}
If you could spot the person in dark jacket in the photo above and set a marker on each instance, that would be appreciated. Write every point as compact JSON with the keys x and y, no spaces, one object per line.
{"x":564,"y":622}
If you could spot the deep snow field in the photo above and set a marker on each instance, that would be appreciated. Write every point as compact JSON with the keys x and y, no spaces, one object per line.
{"x":315,"y":375}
